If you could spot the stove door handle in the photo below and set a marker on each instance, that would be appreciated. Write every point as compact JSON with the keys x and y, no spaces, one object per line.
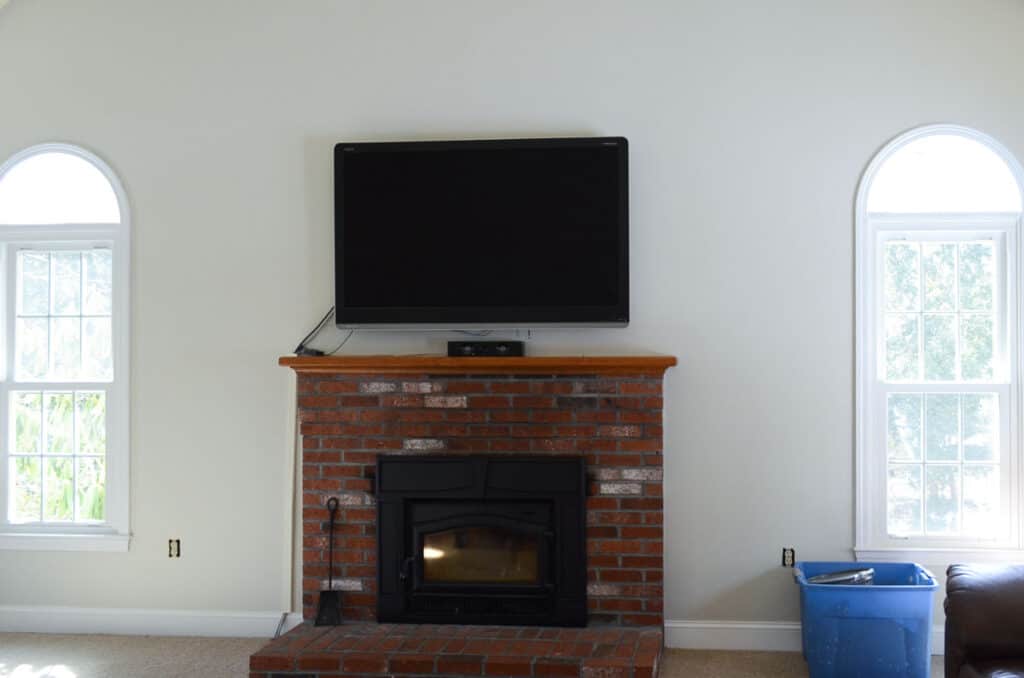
{"x":406,"y":569}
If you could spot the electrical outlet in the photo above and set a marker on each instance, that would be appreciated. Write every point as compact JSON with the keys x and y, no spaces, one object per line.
{"x":174,"y":548}
{"x":788,"y":557}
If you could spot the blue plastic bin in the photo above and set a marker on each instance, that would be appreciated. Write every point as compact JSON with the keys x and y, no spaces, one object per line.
{"x":879,"y":630}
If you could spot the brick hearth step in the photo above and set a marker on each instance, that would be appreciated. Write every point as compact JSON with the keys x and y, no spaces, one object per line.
{"x":369,"y":649}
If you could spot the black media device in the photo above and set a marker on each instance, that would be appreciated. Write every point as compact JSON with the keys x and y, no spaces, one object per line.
{"x":492,"y":349}
{"x":470,"y":234}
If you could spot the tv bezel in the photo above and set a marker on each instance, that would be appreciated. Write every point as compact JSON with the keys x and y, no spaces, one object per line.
{"x":486,"y":317}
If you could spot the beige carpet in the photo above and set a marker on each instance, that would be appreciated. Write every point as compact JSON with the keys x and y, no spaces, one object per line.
{"x":718,"y":664}
{"x":32,"y":655}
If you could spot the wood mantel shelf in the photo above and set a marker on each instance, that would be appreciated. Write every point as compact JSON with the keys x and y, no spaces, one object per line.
{"x":435,"y":364}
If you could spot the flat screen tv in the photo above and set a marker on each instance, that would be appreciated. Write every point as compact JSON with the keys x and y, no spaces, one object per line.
{"x":500,"y":233}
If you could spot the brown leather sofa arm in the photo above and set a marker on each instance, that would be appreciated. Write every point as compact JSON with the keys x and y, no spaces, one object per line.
{"x":984,"y":614}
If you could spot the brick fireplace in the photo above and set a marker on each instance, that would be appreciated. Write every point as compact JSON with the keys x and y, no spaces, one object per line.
{"x":606,"y":410}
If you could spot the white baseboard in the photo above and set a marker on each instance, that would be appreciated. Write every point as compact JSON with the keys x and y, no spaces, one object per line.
{"x":732,"y":635}
{"x":679,"y":633}
{"x":290,"y":622}
{"x":136,"y":622}
{"x":740,"y":635}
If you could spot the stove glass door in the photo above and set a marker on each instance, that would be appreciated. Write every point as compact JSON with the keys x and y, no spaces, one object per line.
{"x":481,"y":555}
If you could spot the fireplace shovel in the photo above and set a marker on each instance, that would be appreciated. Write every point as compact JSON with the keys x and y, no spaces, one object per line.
{"x":328,"y":611}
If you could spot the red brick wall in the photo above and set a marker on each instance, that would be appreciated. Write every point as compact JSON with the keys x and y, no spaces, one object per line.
{"x":614,"y":421}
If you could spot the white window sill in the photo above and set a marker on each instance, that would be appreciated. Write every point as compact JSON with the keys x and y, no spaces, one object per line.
{"x":37,"y":541}
{"x":938,"y":556}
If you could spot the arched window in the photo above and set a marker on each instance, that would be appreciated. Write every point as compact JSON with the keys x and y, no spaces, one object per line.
{"x":938,"y":237}
{"x":64,"y":248}
{"x":942,"y":171}
{"x":57,"y":185}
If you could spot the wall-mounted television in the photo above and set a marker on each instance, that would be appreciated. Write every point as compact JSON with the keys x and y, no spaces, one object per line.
{"x":497,"y":233}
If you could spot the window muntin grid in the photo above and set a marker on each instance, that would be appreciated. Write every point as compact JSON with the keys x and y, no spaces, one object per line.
{"x":943,"y":470}
{"x":63,"y":316}
{"x":940,"y":320}
{"x":57,"y":460}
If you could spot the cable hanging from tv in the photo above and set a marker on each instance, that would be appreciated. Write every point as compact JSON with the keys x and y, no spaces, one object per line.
{"x":343,"y":342}
{"x":303,"y":348}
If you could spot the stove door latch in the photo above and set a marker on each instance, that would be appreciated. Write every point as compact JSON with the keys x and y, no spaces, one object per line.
{"x":406,"y":570}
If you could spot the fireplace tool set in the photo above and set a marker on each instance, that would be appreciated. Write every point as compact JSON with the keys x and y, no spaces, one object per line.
{"x":328,"y":612}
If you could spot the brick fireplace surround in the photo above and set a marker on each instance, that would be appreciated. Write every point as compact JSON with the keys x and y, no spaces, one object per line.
{"x":609,"y":410}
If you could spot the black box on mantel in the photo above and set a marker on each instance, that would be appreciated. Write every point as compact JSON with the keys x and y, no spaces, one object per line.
{"x":489,"y":349}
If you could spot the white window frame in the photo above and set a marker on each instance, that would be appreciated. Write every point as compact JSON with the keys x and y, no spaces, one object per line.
{"x":873,"y":543}
{"x":114,"y":533}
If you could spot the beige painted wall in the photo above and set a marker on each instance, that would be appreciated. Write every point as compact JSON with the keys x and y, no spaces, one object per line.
{"x":749,"y":124}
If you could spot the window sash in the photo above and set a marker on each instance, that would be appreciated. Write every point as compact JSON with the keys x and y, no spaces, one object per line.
{"x":1003,"y":535}
{"x":60,"y":238}
{"x":1002,"y":369}
{"x":872,"y":532}
{"x":74,"y":456}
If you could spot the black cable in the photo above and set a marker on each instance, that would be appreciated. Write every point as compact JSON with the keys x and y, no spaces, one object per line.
{"x":343,"y":342}
{"x":316,"y":329}
{"x":301,"y":348}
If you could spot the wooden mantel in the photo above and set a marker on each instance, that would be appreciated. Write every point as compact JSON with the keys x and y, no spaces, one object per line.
{"x":434,"y":364}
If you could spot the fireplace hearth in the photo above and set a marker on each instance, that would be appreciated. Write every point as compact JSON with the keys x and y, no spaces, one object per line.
{"x":482,"y":539}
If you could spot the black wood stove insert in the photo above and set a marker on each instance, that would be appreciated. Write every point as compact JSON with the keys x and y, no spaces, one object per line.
{"x":481,"y":540}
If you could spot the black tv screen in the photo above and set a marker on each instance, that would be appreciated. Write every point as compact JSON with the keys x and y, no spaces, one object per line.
{"x":509,"y":233}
